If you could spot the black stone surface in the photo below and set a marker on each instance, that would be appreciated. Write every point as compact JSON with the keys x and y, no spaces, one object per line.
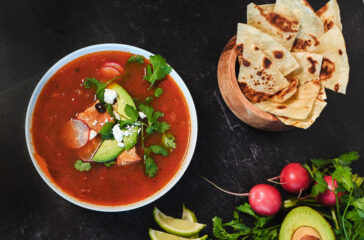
{"x":34,"y":34}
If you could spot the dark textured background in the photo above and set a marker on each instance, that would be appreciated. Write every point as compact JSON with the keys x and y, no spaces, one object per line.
{"x":190,"y":34}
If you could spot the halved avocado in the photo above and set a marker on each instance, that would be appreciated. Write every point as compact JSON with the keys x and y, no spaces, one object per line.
{"x":108,"y":150}
{"x":305,"y":223}
{"x":122,"y":100}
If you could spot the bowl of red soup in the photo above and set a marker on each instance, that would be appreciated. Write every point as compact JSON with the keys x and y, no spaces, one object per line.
{"x":111,"y":127}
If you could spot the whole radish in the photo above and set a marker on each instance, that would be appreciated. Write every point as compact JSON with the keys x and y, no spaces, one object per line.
{"x":264,"y":199}
{"x":294,"y":178}
{"x":328,"y":197}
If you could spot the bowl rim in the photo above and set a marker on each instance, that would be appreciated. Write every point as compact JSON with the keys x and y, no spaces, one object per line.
{"x":103,"y":208}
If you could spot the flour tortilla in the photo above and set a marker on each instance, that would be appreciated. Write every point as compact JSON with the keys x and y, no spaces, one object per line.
{"x":279,"y":55}
{"x":298,"y":106}
{"x":335,"y":65}
{"x":311,"y":26}
{"x":318,"y":107}
{"x":258,"y":77}
{"x":283,"y":29}
{"x":286,"y":93}
{"x":330,"y":15}
{"x":310,"y":66}
{"x":267,"y":7}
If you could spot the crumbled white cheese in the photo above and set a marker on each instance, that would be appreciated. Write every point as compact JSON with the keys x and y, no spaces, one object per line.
{"x":106,"y":120}
{"x":120,"y":144}
{"x":117,"y":116}
{"x":92,"y":135}
{"x":142,"y":115}
{"x":110,"y":96}
{"x":118,"y":133}
{"x":95,"y":122}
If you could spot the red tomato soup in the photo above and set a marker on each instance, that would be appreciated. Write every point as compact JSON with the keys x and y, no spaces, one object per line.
{"x":64,"y":96}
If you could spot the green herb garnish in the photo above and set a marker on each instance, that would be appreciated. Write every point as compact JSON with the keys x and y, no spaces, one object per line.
{"x":100,"y":87}
{"x":151,"y":167}
{"x":136,"y":58}
{"x":148,"y":99}
{"x":106,"y":132}
{"x":158,"y":92}
{"x":168,"y":141}
{"x":153,"y":123}
{"x":159,"y":71}
{"x":157,"y":149}
{"x":131,"y":112}
{"x":82,"y":166}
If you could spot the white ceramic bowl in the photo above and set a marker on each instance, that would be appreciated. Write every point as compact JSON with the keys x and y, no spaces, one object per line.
{"x":99,"y":48}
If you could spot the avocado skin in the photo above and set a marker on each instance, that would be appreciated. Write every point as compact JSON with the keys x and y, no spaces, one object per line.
{"x":305,"y":217}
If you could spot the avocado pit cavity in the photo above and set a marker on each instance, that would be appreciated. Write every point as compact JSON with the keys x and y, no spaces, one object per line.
{"x":306,"y":233}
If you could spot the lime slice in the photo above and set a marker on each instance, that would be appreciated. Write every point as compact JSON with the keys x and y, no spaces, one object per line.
{"x":176,"y":226}
{"x":188,"y":215}
{"x":157,"y":235}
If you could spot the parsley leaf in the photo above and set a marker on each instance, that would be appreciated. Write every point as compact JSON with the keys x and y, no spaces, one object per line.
{"x":151,"y":167}
{"x":106,"y":132}
{"x":82,"y":166}
{"x":131,"y":112}
{"x":136,"y":58}
{"x":158,"y":92}
{"x":160,"y":69}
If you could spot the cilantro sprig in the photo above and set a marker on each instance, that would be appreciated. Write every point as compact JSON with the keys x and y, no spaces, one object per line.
{"x":154,"y":125}
{"x":151,"y":167}
{"x":82,"y":166}
{"x":157,"y":70}
{"x":237,"y":229}
{"x":99,"y":86}
{"x":136,"y":58}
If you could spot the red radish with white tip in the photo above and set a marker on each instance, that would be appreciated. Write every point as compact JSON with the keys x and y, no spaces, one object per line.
{"x":264,"y":199}
{"x":75,"y":133}
{"x":110,"y":70}
{"x":328,"y":197}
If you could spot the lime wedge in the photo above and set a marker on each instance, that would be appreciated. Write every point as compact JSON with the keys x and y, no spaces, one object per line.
{"x":188,"y":215}
{"x":157,"y":235}
{"x":179,"y":227}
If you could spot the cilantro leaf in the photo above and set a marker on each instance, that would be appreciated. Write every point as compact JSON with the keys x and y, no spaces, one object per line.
{"x":153,"y":123}
{"x":347,"y":158}
{"x":158,"y":150}
{"x":82,"y":166}
{"x":109,"y":164}
{"x":147,"y":110}
{"x":158,"y":92}
{"x":106,"y":132}
{"x":148,"y":99}
{"x":321,"y":185}
{"x":344,"y":176}
{"x":247,"y":209}
{"x":131,"y":112}
{"x":159,"y":71}
{"x":100,"y":87}
{"x":151,"y":167}
{"x":319,"y":162}
{"x":136,"y":58}
{"x":168,"y":141}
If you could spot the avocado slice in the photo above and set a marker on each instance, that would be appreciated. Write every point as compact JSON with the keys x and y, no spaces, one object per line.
{"x":109,"y":149}
{"x":122,"y":100}
{"x":305,"y":223}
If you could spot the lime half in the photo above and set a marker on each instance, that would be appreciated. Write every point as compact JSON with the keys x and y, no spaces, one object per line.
{"x":157,"y":235}
{"x":179,"y":227}
{"x":188,"y":215}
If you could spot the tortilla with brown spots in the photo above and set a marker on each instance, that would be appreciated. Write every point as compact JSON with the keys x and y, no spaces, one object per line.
{"x":279,"y":55}
{"x":330,"y":15}
{"x":258,"y":77}
{"x":283,"y":29}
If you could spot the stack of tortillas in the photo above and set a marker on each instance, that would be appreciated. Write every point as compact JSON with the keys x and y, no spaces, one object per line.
{"x":288,"y":55}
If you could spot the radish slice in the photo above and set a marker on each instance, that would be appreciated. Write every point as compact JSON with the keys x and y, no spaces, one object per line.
{"x":75,"y":133}
{"x":110,"y":70}
{"x":87,"y":152}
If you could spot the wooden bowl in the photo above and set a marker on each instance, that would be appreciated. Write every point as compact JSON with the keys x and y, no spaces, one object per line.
{"x":235,"y":98}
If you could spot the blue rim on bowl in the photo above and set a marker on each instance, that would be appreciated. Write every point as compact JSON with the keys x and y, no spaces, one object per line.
{"x":122,"y":48}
